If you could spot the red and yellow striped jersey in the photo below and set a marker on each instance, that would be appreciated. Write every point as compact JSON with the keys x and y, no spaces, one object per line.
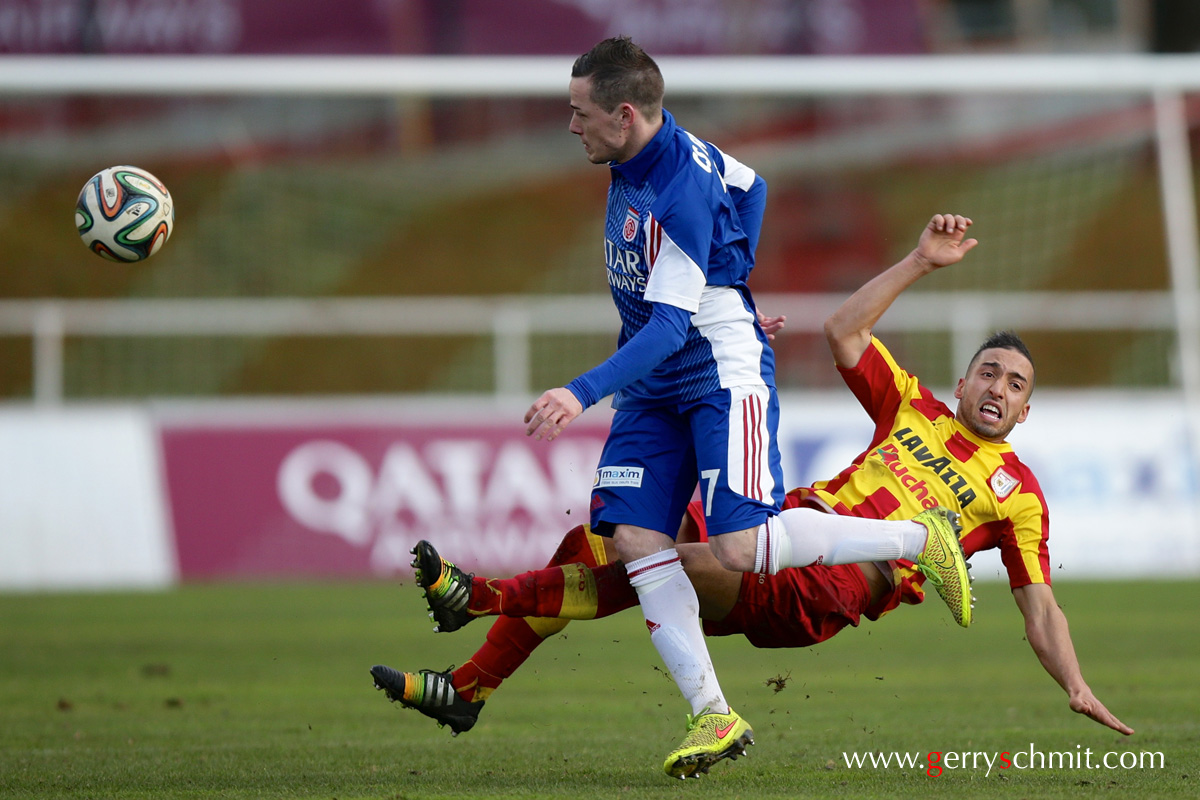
{"x":921,"y":456}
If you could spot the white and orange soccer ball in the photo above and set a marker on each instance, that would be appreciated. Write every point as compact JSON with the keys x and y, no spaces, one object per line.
{"x":124,"y":214}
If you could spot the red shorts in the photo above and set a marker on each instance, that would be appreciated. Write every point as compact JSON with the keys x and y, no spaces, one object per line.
{"x":796,"y":607}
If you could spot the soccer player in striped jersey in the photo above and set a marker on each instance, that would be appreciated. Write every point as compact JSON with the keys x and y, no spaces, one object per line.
{"x":693,"y":379}
{"x":921,"y":453}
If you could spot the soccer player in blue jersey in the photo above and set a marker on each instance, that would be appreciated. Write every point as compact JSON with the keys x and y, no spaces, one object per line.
{"x":694,"y":384}
{"x":920,"y":452}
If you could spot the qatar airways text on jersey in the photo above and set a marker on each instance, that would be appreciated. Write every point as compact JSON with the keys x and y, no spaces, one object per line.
{"x":625,"y":268}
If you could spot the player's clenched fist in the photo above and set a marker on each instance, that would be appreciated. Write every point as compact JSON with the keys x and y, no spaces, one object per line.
{"x":550,"y":413}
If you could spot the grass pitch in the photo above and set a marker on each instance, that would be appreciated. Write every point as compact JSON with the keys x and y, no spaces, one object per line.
{"x":262,"y":691}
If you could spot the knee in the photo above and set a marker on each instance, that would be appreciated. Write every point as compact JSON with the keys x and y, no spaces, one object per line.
{"x":738,"y":562}
{"x":735,"y":551}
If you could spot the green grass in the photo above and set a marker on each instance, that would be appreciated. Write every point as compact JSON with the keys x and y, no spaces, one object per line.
{"x":260,"y":691}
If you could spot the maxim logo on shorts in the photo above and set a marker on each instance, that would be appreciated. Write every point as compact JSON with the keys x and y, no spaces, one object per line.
{"x":617,"y":476}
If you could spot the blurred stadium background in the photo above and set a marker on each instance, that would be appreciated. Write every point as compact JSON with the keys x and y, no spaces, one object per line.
{"x":368,"y":281}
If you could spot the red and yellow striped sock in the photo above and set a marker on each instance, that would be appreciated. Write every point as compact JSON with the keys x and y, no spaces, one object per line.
{"x":571,"y":591}
{"x":510,"y":641}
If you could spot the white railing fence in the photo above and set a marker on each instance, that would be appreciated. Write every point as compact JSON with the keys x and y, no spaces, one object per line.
{"x":512,"y":321}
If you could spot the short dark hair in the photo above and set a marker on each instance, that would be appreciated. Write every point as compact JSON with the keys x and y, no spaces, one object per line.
{"x":621,"y":72}
{"x":1004,"y":340}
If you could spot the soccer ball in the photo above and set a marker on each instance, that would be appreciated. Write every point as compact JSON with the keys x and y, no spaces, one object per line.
{"x":124,"y":214}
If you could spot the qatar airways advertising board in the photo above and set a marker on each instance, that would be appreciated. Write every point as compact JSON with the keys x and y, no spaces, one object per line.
{"x":352,"y":500}
{"x":112,"y":497}
{"x":342,"y":500}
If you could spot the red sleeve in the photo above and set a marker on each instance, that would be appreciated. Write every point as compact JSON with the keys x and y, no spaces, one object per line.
{"x":875,"y":381}
{"x":1024,"y":543}
{"x":872,"y":382}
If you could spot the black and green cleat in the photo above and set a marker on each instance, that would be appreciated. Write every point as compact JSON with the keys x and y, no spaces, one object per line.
{"x":429,"y":692}
{"x":447,"y":588}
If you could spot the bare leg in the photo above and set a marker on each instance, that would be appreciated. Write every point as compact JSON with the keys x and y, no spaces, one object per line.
{"x":717,"y":588}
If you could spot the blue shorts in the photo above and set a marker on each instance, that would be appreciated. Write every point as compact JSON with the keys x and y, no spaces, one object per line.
{"x":653,"y":459}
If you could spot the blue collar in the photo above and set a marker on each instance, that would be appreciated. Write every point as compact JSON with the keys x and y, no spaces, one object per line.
{"x":634,"y":170}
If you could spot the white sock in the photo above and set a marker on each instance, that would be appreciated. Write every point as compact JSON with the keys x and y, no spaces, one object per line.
{"x":802,"y":536}
{"x":672,"y":613}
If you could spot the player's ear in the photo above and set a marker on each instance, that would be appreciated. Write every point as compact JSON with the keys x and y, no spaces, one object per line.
{"x":626,"y":114}
{"x":1024,"y":415}
{"x":958,"y":390}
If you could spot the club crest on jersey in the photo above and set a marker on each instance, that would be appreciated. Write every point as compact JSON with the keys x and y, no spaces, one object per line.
{"x":1002,"y":483}
{"x":630,"y":229}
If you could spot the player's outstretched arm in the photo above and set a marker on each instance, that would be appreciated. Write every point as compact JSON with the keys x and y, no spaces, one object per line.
{"x":662,"y":335}
{"x":942,"y":243}
{"x":1048,"y":635}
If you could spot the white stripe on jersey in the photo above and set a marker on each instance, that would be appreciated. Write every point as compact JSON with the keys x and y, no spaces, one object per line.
{"x":736,"y":173}
{"x":749,"y":460}
{"x":728,"y":325}
{"x":674,"y":278}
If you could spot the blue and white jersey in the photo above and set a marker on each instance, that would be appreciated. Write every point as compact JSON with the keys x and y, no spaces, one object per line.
{"x":682,"y":226}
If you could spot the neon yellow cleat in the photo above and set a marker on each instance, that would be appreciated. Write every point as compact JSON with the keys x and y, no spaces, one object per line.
{"x":944,"y":564}
{"x":710,"y":738}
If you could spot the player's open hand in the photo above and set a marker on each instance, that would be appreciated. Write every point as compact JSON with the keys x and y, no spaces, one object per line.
{"x":771,"y":325}
{"x":550,"y":413}
{"x":942,"y":242}
{"x":1087,"y":704}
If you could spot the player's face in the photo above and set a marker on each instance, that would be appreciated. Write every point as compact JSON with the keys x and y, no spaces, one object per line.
{"x":994,"y":395}
{"x":604,"y":134}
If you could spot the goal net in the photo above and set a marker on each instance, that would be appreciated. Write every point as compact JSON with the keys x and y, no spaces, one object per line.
{"x":443,"y":179}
